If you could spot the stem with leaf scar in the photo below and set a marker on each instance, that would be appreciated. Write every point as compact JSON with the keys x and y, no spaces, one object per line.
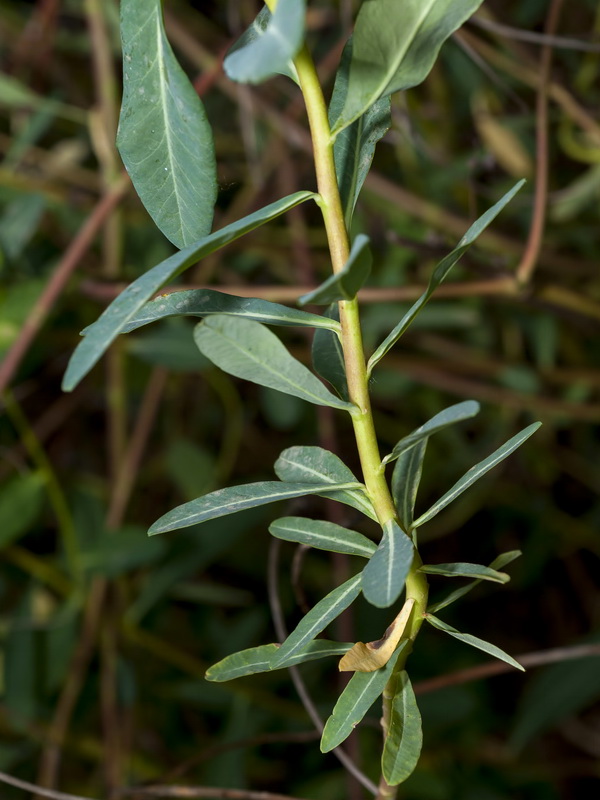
{"x":358,"y":390}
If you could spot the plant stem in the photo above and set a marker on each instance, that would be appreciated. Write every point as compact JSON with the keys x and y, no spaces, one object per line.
{"x":356,"y":373}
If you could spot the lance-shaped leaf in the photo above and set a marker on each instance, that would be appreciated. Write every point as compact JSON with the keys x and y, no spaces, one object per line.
{"x":344,"y":285}
{"x":354,"y":147}
{"x":404,"y":740}
{"x":248,"y":350}
{"x":395,"y":46}
{"x":354,"y":702}
{"x":464,"y":570}
{"x":107,"y":327}
{"x":322,"y":535}
{"x":440,"y":273}
{"x":328,"y":356}
{"x":317,"y":465}
{"x":164,"y":137}
{"x":268,"y":47}
{"x":498,"y":563}
{"x":385,"y":574}
{"x":207,"y":302}
{"x":259,"y":659}
{"x":449,"y":416}
{"x":476,"y":472}
{"x":317,"y":619}
{"x":234,"y":499}
{"x":474,"y":641}
{"x":406,"y":478}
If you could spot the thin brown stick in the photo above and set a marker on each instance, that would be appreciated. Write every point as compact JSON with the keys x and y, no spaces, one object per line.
{"x":521,"y":35}
{"x":57,"y":282}
{"x":50,"y":760}
{"x":152,"y":791}
{"x":289,"y":294}
{"x":534,"y":241}
{"x":137,"y":444}
{"x":39,"y":790}
{"x":536,"y":659}
{"x":204,"y":791}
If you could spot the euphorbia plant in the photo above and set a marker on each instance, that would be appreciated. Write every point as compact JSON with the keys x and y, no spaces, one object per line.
{"x":166,"y":144}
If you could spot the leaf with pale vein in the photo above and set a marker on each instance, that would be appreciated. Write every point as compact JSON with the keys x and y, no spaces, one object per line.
{"x":317,"y":465}
{"x":322,"y":535}
{"x":234,"y":499}
{"x":269,"y":45}
{"x":464,"y":570}
{"x":258,"y":659}
{"x":345,"y":284}
{"x":248,"y":350}
{"x":107,"y":327}
{"x":164,"y":137}
{"x":449,"y":416}
{"x":354,"y":147}
{"x":476,"y":472}
{"x":474,"y":641}
{"x":440,"y":273}
{"x":385,"y":574}
{"x":207,"y":302}
{"x":328,"y":356}
{"x":406,"y":478}
{"x":498,"y":563}
{"x":394,"y":47}
{"x":404,"y":740}
{"x":362,"y":691}
{"x":317,"y":619}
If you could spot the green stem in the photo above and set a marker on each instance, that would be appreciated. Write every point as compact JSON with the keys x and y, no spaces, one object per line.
{"x":356,"y":373}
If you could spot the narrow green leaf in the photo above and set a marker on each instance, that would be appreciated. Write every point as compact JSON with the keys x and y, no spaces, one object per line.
{"x":395,"y":46}
{"x":322,"y":535}
{"x":404,"y":741}
{"x":406,"y":478}
{"x":474,"y":641}
{"x":476,"y":472}
{"x":124,"y":308}
{"x":207,"y":302}
{"x":269,"y":45}
{"x":248,"y":350}
{"x":498,"y":563}
{"x":259,"y":659}
{"x":317,"y":619}
{"x":164,"y":137}
{"x":385,"y":574}
{"x":354,"y":147}
{"x":362,"y":691}
{"x":316,"y":465}
{"x":449,"y":416}
{"x":344,"y":285}
{"x":328,"y":356}
{"x":21,"y":501}
{"x":234,"y":499}
{"x":463,"y":570}
{"x":440,"y":273}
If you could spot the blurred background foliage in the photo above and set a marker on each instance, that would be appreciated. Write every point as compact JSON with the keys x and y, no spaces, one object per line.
{"x":104,"y":633}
